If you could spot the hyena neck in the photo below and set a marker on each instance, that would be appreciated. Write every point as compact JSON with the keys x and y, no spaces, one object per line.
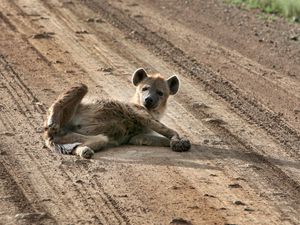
{"x":157,"y":114}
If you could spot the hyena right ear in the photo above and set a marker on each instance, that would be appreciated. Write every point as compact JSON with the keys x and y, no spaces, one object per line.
{"x":173,"y":84}
{"x":138,"y":76}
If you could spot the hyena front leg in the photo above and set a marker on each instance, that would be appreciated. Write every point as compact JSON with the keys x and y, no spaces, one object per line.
{"x":150,"y":140}
{"x":63,"y":109}
{"x":177,"y":143}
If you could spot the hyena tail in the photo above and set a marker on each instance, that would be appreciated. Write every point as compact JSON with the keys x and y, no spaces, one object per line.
{"x":65,"y":149}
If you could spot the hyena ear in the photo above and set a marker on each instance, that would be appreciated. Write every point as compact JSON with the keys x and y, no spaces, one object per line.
{"x":139,"y":75}
{"x":173,"y":84}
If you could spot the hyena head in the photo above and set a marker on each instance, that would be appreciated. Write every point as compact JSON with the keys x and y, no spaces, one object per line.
{"x":153,"y":91}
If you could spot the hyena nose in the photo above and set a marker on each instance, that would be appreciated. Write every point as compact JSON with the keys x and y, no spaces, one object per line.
{"x":149,"y":100}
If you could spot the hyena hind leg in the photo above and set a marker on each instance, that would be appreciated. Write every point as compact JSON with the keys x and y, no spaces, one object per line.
{"x":63,"y":109}
{"x":90,"y":146}
{"x":82,"y":145}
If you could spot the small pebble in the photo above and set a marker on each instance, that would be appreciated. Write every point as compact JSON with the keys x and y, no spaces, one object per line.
{"x":239,"y":203}
{"x":236,"y":185}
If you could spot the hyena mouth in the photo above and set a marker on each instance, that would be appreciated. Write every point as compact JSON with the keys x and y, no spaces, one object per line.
{"x":150,"y":106}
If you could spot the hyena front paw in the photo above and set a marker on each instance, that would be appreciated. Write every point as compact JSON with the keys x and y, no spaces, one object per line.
{"x":84,"y":152}
{"x":180,"y":144}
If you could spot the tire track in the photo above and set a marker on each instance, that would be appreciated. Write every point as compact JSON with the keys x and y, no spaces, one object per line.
{"x":26,"y":90}
{"x":87,"y":194}
{"x":11,"y":90}
{"x":18,"y":98}
{"x":6,"y":122}
{"x":16,"y":170}
{"x":114,"y":206}
{"x":271,"y":172}
{"x":19,"y":88}
{"x":16,"y":201}
{"x":25,"y":39}
{"x":6,"y":20}
{"x":40,"y":164}
{"x":241,"y":104}
{"x":23,"y":192}
{"x":23,"y":152}
{"x":33,"y":121}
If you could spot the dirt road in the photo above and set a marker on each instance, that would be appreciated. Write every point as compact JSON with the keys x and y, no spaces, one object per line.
{"x":238,"y":104}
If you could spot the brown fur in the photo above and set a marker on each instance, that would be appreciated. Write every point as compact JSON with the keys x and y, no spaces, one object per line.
{"x":77,"y":127}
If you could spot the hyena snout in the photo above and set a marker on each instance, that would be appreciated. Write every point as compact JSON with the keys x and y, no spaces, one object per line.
{"x":150,"y":102}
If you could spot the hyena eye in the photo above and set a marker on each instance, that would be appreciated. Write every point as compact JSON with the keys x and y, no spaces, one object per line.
{"x":145,"y":88}
{"x":160,"y":93}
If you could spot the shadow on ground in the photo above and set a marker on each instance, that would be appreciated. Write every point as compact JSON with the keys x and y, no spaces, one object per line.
{"x":198,"y":157}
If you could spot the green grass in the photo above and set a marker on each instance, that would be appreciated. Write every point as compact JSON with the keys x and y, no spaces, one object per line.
{"x":286,"y":8}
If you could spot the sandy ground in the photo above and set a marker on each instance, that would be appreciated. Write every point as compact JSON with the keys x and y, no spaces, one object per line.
{"x":238,"y":104}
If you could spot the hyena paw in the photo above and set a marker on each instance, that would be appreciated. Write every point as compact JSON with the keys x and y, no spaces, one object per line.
{"x":52,"y":127}
{"x":84,"y":152}
{"x":180,"y":144}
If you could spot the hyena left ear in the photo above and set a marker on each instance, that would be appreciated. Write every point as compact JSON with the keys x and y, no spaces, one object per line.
{"x":173,"y":84}
{"x":139,"y":75}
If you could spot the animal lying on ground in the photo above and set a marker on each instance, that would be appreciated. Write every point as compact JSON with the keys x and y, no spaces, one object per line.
{"x":78,"y":127}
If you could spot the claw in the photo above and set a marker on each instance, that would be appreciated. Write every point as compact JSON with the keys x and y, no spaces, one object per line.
{"x":180,"y":144}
